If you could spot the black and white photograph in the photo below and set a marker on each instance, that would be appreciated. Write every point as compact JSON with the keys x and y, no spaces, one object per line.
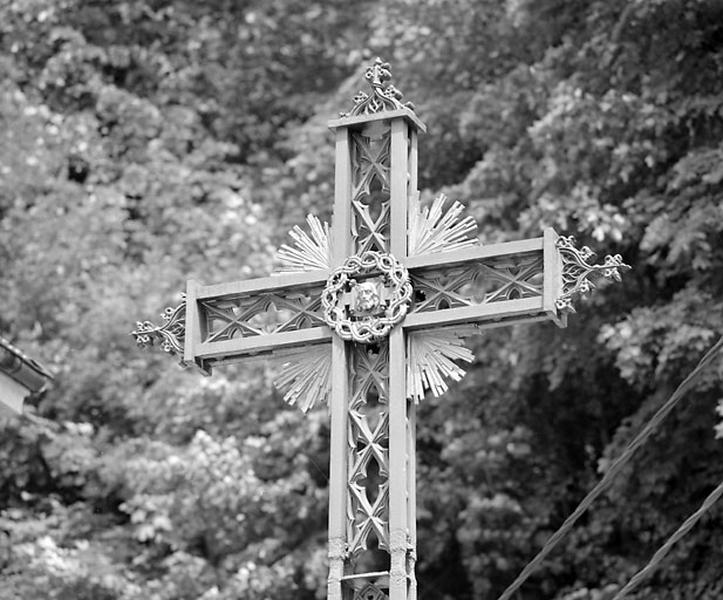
{"x":372,"y":300}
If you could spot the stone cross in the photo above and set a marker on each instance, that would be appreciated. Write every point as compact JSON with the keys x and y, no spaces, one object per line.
{"x":370,"y":316}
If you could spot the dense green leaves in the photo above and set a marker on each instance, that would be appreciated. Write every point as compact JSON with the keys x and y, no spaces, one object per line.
{"x":144,"y":142}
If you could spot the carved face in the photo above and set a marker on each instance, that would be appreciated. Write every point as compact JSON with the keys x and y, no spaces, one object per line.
{"x":366,"y":298}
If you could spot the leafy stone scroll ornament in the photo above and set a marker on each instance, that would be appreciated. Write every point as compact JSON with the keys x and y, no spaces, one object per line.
{"x":383,"y":97}
{"x":170,"y":335}
{"x":578,"y":273}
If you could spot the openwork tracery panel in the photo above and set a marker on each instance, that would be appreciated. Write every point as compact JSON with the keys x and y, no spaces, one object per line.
{"x":482,"y":282}
{"x":270,"y":312}
{"x":370,"y":188}
{"x":370,"y":591}
{"x":368,"y":440}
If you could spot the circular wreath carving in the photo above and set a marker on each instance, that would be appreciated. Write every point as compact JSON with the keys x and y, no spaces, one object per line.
{"x":366,"y":296}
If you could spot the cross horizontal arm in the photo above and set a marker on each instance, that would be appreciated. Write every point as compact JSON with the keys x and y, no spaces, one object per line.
{"x":487,"y":286}
{"x":227,"y":321}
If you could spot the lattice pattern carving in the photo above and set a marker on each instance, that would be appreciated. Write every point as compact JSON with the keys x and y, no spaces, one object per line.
{"x":370,"y":192}
{"x":487,"y":281}
{"x":368,"y":437}
{"x":370,"y":592}
{"x":264,"y":313}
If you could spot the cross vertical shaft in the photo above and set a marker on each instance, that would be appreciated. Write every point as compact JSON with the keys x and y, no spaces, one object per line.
{"x":376,"y":161}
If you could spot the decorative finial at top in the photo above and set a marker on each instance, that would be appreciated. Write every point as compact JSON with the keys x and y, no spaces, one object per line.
{"x":384,"y":95}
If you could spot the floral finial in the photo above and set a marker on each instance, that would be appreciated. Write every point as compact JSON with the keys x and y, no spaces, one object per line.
{"x":384,"y":96}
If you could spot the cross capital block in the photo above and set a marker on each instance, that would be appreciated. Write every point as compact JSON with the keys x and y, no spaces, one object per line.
{"x":371,"y":314}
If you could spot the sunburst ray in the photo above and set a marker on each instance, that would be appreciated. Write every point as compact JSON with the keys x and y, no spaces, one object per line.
{"x":439,"y":229}
{"x":308,"y":251}
{"x":431,"y":359}
{"x":305,"y":376}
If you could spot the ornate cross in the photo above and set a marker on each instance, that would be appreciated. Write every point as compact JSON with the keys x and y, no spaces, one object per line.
{"x":370,"y":316}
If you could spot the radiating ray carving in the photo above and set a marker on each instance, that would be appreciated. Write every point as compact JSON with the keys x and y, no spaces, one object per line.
{"x":431,"y":355}
{"x":305,"y":377}
{"x":308,"y":251}
{"x":439,"y":229}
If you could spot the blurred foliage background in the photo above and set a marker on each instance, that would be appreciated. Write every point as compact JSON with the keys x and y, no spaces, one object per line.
{"x":144,"y":142}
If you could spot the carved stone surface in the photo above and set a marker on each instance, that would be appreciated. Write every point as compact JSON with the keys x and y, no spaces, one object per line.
{"x":578,"y":275}
{"x":365,"y":310}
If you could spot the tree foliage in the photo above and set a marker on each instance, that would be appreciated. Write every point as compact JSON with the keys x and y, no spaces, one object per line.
{"x":149,"y":141}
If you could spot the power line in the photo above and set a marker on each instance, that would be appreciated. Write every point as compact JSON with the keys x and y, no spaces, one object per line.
{"x":673,"y":539}
{"x":614,"y":469}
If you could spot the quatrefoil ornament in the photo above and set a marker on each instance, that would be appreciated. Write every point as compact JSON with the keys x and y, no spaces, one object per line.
{"x":366,"y":297}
